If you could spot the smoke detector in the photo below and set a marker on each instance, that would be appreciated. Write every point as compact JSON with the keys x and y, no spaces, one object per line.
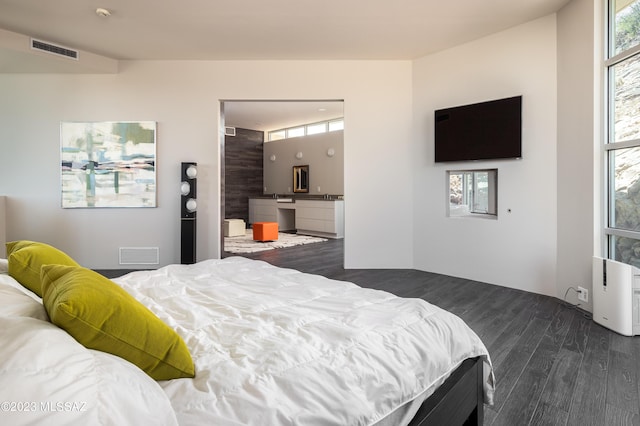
{"x":102,"y":12}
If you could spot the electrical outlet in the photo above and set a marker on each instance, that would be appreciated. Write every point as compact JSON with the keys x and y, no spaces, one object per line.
{"x":583,"y":294}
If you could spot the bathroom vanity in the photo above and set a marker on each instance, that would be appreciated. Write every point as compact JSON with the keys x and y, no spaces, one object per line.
{"x":318,"y":217}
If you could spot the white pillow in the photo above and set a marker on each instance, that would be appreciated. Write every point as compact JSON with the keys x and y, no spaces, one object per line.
{"x":15,"y":300}
{"x":4,"y":266}
{"x":53,"y":379}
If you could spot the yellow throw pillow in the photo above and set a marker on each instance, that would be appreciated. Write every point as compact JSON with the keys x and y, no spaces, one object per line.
{"x":102,"y":315}
{"x":27,"y":257}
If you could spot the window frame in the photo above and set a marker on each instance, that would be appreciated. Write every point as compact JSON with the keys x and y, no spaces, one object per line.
{"x":610,"y":146}
{"x":327,"y":129}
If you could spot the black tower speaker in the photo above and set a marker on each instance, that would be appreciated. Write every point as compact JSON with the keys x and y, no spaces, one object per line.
{"x":188,"y":207}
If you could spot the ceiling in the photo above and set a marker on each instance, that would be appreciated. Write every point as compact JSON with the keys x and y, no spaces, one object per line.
{"x":252,"y":30}
{"x":275,"y":29}
{"x":274,"y":115}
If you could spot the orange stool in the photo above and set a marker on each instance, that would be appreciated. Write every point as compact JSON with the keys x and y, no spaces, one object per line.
{"x":265,"y":231}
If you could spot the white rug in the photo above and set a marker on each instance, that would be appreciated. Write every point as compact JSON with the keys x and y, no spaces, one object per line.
{"x":245,"y":243}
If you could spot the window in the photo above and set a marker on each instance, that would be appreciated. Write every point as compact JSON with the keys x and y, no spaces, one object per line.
{"x":336,"y":125}
{"x":314,"y":129}
{"x":622,"y":142}
{"x":295,"y":132}
{"x":472,"y":193}
{"x":277,"y":135}
{"x":307,"y":129}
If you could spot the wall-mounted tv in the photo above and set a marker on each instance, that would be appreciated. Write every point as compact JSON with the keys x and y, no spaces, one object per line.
{"x":483,"y":131}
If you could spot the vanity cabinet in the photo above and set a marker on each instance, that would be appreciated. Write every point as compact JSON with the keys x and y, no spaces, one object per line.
{"x":272,"y":210}
{"x":320,"y":217}
{"x":262,"y":210}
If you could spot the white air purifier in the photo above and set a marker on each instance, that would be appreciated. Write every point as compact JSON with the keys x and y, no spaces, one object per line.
{"x":616,"y":296}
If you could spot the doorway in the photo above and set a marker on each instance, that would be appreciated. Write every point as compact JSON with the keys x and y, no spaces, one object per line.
{"x":246,"y":173}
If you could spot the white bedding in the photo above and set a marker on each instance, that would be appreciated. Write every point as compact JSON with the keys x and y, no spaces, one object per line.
{"x":274,"y":346}
{"x":271,"y":346}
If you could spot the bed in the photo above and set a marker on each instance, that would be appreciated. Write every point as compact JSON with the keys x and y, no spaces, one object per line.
{"x":269,"y":346}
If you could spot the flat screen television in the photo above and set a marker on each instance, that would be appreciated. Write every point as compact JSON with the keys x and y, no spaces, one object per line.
{"x":483,"y":131}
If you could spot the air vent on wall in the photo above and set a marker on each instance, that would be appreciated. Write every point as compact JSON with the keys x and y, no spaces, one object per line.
{"x":229,"y":131}
{"x":47,"y":47}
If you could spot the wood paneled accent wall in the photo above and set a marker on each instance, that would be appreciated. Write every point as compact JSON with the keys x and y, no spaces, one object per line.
{"x":243,"y":174}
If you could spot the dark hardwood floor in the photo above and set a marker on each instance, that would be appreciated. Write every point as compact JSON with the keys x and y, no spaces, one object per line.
{"x":553,"y":364}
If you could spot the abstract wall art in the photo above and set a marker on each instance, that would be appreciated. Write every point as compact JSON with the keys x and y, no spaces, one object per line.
{"x":108,"y":164}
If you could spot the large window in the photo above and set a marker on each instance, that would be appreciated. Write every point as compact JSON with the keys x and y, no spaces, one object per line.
{"x":473,"y":192}
{"x":622,"y":143}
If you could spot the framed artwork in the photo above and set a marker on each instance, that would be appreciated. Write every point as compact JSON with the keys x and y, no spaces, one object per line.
{"x":108,"y":164}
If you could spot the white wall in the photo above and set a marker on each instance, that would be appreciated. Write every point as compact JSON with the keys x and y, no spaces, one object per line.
{"x":579,"y":160}
{"x":3,"y":226}
{"x":326,"y":174}
{"x":183,"y":97}
{"x":394,"y":193}
{"x":519,"y":248}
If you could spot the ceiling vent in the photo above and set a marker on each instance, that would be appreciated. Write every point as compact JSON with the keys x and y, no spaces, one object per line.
{"x":47,"y":47}
{"x":229,"y":131}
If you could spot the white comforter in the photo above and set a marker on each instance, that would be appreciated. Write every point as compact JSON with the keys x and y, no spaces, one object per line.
{"x":274,"y":346}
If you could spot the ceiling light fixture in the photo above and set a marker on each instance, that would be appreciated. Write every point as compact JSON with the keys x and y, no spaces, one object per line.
{"x":102,"y":12}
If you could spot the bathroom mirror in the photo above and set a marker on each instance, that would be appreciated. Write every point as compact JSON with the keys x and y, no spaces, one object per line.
{"x":301,"y":178}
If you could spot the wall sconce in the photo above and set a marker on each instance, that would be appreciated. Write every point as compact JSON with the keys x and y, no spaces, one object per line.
{"x":188,"y":207}
{"x":331,"y":152}
{"x":299,"y":155}
{"x":272,"y":158}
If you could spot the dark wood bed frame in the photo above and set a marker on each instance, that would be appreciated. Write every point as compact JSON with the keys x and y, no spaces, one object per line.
{"x":458,"y":401}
